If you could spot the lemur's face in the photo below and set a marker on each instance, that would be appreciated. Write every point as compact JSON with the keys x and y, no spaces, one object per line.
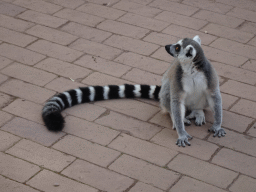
{"x":185,"y":50}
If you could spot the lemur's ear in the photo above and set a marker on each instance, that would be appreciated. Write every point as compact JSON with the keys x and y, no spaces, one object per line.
{"x":197,"y":39}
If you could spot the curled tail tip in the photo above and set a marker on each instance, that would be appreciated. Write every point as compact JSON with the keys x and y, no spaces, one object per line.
{"x":54,"y":121}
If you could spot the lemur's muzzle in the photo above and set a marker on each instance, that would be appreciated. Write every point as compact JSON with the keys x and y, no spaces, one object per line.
{"x":168,"y":49}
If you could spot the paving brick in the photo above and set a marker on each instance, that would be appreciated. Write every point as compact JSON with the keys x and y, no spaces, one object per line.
{"x":183,"y":32}
{"x":102,"y":65}
{"x":89,"y":112}
{"x":26,"y":91}
{"x":4,"y":117}
{"x":145,"y":172}
{"x":250,"y":5}
{"x":145,"y":22}
{"x":10,"y":185}
{"x":131,"y":107}
{"x":193,"y":185}
{"x":234,"y":47}
{"x":162,"y":55}
{"x":174,"y":7}
{"x":231,"y":120}
{"x":142,"y":77}
{"x":130,"y":44}
{"x":129,"y":125}
{"x":96,"y":49}
{"x":245,"y":107}
{"x":224,"y":57}
{"x":252,"y":131}
{"x":137,"y":8}
{"x":248,"y":27}
{"x":55,"y":50}
{"x":239,"y":89}
{"x":50,"y":34}
{"x":39,"y":6}
{"x":218,"y":18}
{"x":16,"y":169}
{"x":101,"y":11}
{"x":243,"y":14}
{"x":89,"y":131}
{"x":63,"y":68}
{"x":252,"y":42}
{"x":4,"y":62}
{"x":142,"y":62}
{"x":199,"y":148}
{"x":102,"y":79}
{"x":40,"y":155}
{"x":97,"y":177}
{"x":10,"y":9}
{"x":25,"y":109}
{"x":62,"y":84}
{"x":21,"y":55}
{"x":123,"y":29}
{"x":209,"y":5}
{"x":228,"y":33}
{"x":28,"y":74}
{"x":32,"y":131}
{"x":86,"y":32}
{"x":101,"y":2}
{"x":235,"y":73}
{"x":160,"y":38}
{"x":202,"y":170}
{"x":182,"y":20}
{"x":3,"y":78}
{"x":42,"y":19}
{"x":144,"y":2}
{"x":45,"y":181}
{"x":142,"y":187}
{"x":79,"y":17}
{"x":237,"y":142}
{"x":86,"y":150}
{"x":243,"y":183}
{"x":14,"y":24}
{"x":143,"y":149}
{"x":16,"y":38}
{"x":67,"y":3}
{"x":236,"y":161}
{"x":227,"y":100}
{"x":7,"y":140}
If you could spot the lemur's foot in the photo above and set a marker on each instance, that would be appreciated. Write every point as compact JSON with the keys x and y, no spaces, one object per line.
{"x":183,"y":140}
{"x":198,"y":115}
{"x":186,"y":122}
{"x":220,"y":132}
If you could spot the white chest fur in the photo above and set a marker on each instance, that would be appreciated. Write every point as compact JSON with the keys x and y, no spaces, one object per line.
{"x":195,"y":88}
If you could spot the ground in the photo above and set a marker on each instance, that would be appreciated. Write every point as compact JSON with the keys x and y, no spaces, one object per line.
{"x":48,"y":46}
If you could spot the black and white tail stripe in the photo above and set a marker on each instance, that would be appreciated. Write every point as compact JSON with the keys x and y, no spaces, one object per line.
{"x":52,"y":110}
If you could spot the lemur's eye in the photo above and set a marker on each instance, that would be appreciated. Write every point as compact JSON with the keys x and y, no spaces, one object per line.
{"x":177,"y":48}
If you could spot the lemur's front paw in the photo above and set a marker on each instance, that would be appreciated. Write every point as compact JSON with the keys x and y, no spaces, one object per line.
{"x":183,"y":140}
{"x":217,"y":132}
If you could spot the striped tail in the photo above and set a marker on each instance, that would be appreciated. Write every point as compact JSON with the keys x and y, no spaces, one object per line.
{"x":52,"y":110}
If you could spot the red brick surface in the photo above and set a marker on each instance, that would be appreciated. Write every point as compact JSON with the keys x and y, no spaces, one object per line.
{"x":128,"y":145}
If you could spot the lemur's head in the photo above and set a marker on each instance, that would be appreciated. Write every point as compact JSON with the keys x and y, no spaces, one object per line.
{"x":185,"y":50}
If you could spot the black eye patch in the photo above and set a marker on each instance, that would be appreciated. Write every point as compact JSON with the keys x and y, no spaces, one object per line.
{"x":189,"y":53}
{"x":177,"y":48}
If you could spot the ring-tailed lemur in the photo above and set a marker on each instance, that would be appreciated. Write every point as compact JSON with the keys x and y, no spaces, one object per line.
{"x":190,"y":83}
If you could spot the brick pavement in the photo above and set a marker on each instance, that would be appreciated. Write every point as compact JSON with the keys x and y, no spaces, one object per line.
{"x":122,"y":145}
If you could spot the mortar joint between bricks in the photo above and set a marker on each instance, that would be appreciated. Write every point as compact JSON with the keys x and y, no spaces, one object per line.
{"x":249,"y":127}
{"x":236,"y":178}
{"x":134,"y":183}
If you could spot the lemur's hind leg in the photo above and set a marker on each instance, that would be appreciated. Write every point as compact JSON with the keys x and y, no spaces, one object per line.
{"x":198,"y":115}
